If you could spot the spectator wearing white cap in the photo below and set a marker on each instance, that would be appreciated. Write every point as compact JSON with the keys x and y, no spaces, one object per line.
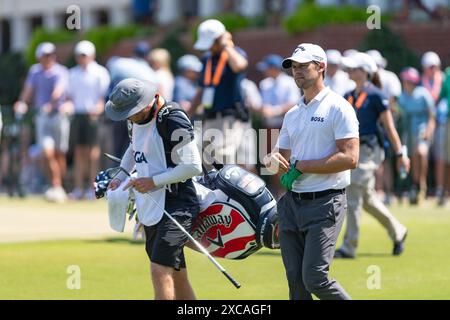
{"x":390,"y":83}
{"x":220,"y":91}
{"x":372,"y":108}
{"x":88,"y":84}
{"x":336,"y":78}
{"x":432,"y":80}
{"x":45,"y":88}
{"x":186,"y":82}
{"x":392,"y":89}
{"x":159,"y":60}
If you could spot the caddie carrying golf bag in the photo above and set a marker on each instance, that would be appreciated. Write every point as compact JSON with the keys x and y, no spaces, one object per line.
{"x":237,"y":212}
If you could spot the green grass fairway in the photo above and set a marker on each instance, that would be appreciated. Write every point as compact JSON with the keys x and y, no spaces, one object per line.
{"x":118,"y":269}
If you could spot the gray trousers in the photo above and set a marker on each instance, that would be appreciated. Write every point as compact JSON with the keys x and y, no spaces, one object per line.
{"x":308,"y":233}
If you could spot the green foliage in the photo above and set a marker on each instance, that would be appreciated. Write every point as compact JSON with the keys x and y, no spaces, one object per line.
{"x":309,"y":16}
{"x":13,"y":70}
{"x":172,"y":44}
{"x":41,"y":35}
{"x":105,"y":37}
{"x":392,"y":47}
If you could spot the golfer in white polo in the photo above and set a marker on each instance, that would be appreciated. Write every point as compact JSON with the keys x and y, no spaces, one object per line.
{"x":317,"y":147}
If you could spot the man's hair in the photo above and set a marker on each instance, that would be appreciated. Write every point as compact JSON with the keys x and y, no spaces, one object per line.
{"x":376,"y":80}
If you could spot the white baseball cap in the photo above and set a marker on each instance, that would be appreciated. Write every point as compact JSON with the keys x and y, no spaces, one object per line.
{"x":349,"y":52}
{"x":189,"y":62}
{"x":378,"y":58}
{"x":430,"y":59}
{"x":334,"y":56}
{"x":304,"y":53}
{"x":360,"y":60}
{"x":85,"y":48}
{"x":208,"y":32}
{"x":45,"y":48}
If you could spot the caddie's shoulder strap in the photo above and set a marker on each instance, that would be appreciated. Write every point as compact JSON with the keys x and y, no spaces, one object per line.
{"x":163,"y":115}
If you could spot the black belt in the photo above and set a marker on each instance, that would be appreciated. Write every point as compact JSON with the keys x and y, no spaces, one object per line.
{"x":222,"y":113}
{"x":316,"y":195}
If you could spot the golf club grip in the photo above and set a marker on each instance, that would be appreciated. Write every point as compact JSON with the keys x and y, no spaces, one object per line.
{"x":234,"y":282}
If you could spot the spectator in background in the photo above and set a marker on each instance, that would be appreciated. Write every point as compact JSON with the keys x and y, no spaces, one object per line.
{"x":121,"y":68}
{"x":391,"y":89}
{"x":186,"y":83}
{"x":159,"y":59}
{"x":220,"y":92}
{"x":336,"y":78}
{"x":88,"y":84}
{"x":247,"y":148}
{"x":445,"y":99}
{"x":432,"y":79}
{"x":418,"y":110}
{"x":45,"y":87}
{"x":279,"y":94}
{"x":432,"y":75}
{"x":372,"y":109}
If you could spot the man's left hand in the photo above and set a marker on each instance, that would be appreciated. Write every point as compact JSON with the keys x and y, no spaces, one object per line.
{"x":141,"y":185}
{"x":287,"y":179}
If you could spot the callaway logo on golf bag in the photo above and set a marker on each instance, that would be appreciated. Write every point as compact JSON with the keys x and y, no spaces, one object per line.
{"x":241,"y":220}
{"x":224,"y":231}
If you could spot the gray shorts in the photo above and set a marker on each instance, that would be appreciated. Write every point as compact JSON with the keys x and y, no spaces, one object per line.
{"x":440,"y":142}
{"x":52,"y":131}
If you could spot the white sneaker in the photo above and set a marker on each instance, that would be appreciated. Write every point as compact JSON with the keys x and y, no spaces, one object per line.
{"x":56,"y":194}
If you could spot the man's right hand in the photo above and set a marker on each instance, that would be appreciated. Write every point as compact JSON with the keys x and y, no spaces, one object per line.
{"x":276,"y":163}
{"x":114,"y":184}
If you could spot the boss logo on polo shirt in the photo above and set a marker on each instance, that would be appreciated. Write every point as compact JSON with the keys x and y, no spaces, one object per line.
{"x":139,"y":157}
{"x":317,"y":119}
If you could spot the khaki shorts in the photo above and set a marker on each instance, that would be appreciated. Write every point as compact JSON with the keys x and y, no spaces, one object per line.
{"x":52,"y":131}
{"x":369,"y":161}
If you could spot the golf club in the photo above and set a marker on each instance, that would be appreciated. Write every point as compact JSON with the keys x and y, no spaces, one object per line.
{"x":197,"y":244}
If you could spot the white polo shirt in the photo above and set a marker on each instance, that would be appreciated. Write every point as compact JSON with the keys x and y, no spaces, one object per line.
{"x":310,"y":132}
{"x":87,"y":87}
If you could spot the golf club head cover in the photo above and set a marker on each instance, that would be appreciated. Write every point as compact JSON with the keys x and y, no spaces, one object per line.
{"x":101,"y":183}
